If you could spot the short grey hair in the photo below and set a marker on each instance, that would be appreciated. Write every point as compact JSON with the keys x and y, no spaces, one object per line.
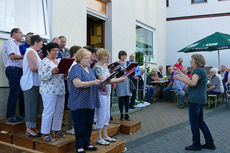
{"x":213,"y":70}
{"x":160,"y":66}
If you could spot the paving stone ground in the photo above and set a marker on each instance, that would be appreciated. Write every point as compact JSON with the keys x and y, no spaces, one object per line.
{"x":156,"y":117}
{"x":165,"y":129}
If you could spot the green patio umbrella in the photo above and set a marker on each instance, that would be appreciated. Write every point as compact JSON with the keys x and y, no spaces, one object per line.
{"x":215,"y":42}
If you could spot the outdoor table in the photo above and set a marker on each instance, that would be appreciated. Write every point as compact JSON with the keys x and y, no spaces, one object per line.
{"x":162,"y":83}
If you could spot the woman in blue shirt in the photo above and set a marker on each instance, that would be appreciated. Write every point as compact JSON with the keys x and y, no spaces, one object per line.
{"x":83,"y":99}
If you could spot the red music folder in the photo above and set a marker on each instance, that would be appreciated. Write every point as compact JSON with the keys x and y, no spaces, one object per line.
{"x":108,"y":78}
{"x":112,"y":67}
{"x":64,"y":65}
{"x":129,"y":72}
{"x":92,"y":65}
{"x":130,"y":69}
{"x":131,"y":66}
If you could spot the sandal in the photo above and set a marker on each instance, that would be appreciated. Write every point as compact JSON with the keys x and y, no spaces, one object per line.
{"x":103,"y":142}
{"x":33,"y":136}
{"x":109,"y":139}
{"x":58,"y":134}
{"x":48,"y":138}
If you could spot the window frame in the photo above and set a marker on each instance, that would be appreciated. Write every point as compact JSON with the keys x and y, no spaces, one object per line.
{"x":45,"y":7}
{"x":153,"y":30}
{"x":193,"y":2}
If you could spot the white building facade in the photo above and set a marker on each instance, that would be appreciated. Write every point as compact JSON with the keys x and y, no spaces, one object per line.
{"x":128,"y":25}
{"x":191,"y":20}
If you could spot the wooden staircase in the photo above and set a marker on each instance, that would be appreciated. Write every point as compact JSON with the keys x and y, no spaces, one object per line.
{"x":14,"y":134}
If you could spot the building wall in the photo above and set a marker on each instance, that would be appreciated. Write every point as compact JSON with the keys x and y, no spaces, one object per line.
{"x":185,"y":8}
{"x":69,"y":19}
{"x":3,"y":79}
{"x":181,"y":33}
{"x":123,"y":27}
{"x":153,"y":14}
{"x":4,"y":92}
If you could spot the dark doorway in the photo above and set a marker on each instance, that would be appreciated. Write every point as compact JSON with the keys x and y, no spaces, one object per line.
{"x":95,"y":32}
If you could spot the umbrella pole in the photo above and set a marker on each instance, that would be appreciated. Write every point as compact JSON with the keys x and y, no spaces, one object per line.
{"x":219,"y":59}
{"x":145,"y":74}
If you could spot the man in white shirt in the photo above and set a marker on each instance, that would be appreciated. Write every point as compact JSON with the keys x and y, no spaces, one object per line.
{"x":12,"y":60}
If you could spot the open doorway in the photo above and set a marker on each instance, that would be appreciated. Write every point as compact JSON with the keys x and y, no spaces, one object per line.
{"x":95,"y":32}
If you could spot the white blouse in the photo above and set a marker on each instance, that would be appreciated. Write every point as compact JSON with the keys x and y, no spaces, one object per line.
{"x":50,"y":84}
{"x":29,"y":78}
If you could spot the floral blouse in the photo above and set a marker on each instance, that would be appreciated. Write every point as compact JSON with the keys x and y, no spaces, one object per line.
{"x":50,"y":84}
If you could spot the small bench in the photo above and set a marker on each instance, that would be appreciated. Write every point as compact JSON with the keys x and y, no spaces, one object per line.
{"x":210,"y":97}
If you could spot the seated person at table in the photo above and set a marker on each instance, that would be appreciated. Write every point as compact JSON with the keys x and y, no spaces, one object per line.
{"x":223,"y":73}
{"x":214,"y":87}
{"x":180,"y":87}
{"x":154,"y":77}
{"x":171,"y":81}
{"x":186,"y":72}
{"x":160,"y":72}
{"x":150,"y":88}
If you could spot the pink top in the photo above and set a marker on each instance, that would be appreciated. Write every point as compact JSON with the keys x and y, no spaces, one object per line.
{"x":179,"y":66}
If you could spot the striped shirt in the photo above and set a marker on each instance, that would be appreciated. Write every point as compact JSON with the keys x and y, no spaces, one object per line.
{"x":11,"y":46}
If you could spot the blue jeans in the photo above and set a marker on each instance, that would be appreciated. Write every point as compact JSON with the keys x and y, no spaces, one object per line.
{"x":167,"y":93}
{"x":181,"y":95}
{"x":197,"y":123}
{"x":13,"y":74}
{"x":150,"y":92}
{"x":83,"y":122}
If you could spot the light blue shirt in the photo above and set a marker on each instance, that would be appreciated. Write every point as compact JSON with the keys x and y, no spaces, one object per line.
{"x":178,"y":84}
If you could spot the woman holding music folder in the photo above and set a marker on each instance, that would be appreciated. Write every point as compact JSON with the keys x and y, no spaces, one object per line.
{"x":103,"y":113}
{"x":52,"y":89}
{"x":123,"y":89}
{"x":83,"y":100}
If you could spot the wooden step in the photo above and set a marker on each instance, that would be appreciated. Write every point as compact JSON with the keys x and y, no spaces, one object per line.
{"x":5,"y":137}
{"x":116,"y":147}
{"x":11,"y":128}
{"x":113,"y":129}
{"x":62,"y":145}
{"x":127,"y":127}
{"x":10,"y":148}
{"x":18,"y":127}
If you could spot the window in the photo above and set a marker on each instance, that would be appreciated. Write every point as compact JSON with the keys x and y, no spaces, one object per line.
{"x":199,"y":1}
{"x":145,"y":40}
{"x":29,"y":16}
